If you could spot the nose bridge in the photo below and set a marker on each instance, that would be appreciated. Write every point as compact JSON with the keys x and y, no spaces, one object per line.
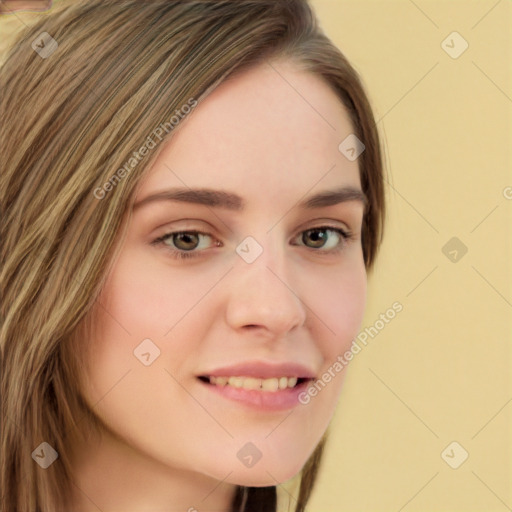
{"x":261,"y":293}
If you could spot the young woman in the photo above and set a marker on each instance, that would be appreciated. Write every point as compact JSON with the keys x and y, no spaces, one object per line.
{"x":192,"y":196}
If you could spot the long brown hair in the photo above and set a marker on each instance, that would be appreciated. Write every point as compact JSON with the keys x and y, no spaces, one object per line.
{"x":71,"y":118}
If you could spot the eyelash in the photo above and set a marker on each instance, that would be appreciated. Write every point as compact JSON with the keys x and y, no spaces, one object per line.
{"x":183,"y":255}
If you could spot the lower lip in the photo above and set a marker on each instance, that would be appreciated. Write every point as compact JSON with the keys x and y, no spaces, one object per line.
{"x":280,"y":400}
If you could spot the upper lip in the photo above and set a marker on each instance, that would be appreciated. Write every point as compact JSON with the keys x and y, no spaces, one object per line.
{"x":263,"y":370}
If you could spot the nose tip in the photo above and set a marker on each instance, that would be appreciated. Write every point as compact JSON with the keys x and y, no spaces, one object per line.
{"x":262,"y":300}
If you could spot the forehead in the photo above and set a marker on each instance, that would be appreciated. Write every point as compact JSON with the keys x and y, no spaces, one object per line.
{"x":273,"y":129}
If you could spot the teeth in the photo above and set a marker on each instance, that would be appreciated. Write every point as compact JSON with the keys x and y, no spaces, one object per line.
{"x":273,"y":384}
{"x":250,"y":383}
{"x":270,"y":384}
{"x":236,"y":382}
{"x":292,"y":381}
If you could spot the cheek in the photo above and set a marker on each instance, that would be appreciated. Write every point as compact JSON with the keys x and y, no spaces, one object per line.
{"x":337,"y":300}
{"x":143,"y":299}
{"x":148,"y":297}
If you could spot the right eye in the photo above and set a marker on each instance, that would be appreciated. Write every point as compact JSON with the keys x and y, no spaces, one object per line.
{"x":186,"y":244}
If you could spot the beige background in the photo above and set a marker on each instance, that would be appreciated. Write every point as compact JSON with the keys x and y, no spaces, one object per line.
{"x":440,"y":370}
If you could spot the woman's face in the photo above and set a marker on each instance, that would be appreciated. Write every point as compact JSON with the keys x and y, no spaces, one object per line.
{"x":268,"y":292}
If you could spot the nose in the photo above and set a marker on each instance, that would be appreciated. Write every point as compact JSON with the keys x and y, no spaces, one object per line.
{"x":262,"y":299}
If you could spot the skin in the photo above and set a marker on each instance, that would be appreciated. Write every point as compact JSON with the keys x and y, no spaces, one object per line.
{"x":170,"y":440}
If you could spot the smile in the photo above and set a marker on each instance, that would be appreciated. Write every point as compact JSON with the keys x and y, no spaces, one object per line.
{"x":263,"y":395}
{"x":252,"y":383}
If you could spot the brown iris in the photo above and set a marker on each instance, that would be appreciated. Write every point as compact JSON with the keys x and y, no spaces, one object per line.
{"x":317,"y":238}
{"x":185,"y":241}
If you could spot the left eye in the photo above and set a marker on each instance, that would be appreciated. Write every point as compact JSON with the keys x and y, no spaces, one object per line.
{"x":324,"y":238}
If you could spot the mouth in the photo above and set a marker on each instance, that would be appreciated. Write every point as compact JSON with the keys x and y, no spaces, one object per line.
{"x":271,"y":385}
{"x":258,"y":385}
{"x":264,"y":395}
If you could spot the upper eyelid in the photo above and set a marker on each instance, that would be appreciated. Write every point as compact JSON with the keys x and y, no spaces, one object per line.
{"x":206,"y":233}
{"x":318,"y":223}
{"x":168,"y":234}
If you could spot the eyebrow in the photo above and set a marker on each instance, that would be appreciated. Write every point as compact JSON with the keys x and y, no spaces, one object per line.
{"x":231,"y":201}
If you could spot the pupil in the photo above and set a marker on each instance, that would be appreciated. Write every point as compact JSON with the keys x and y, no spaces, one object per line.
{"x":317,"y":238}
{"x":186,"y":241}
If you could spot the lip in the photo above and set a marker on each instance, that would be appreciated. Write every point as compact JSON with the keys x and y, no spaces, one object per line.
{"x":281,"y":400}
{"x":262,"y":370}
{"x":271,"y":401}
